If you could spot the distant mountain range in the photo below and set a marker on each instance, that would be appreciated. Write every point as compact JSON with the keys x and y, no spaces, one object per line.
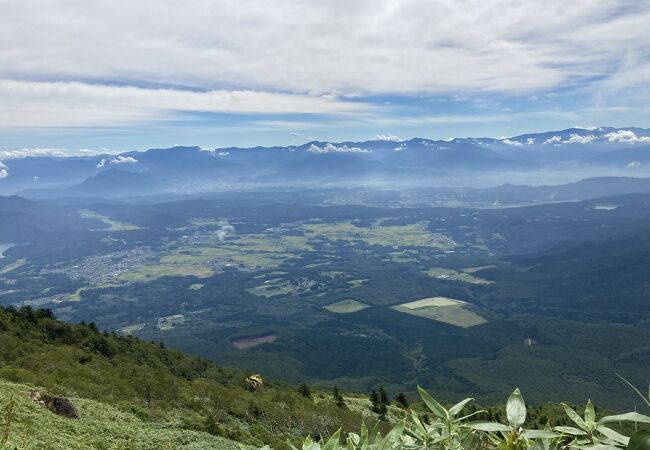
{"x":572,"y":154}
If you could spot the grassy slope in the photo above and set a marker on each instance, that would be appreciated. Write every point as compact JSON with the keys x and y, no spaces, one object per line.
{"x":101,"y":426}
{"x":137,"y":390}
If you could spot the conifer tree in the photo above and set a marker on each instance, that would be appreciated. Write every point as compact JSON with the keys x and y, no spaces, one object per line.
{"x":374,"y":400}
{"x":383,"y":397}
{"x":304,"y":390}
{"x":338,"y":398}
{"x":401,"y":400}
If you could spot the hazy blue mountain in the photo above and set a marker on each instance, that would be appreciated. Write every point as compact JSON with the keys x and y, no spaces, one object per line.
{"x":576,"y":153}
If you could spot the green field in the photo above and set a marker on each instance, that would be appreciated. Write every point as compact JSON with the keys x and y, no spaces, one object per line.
{"x":13,"y":266}
{"x":113,"y":224}
{"x":447,"y":310}
{"x":274,"y":286}
{"x":476,"y":269}
{"x":414,"y":235}
{"x":451,"y":274}
{"x":346,"y":307}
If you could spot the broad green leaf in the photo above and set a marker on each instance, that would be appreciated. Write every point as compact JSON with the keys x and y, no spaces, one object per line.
{"x":570,"y":430}
{"x":575,"y":417}
{"x":618,"y":437}
{"x":418,"y":423}
{"x":392,"y":437}
{"x":492,"y":427}
{"x":516,"y":409}
{"x":539,"y":434}
{"x":640,"y":441}
{"x":590,"y":413}
{"x":458,"y":407}
{"x":435,"y":407}
{"x":464,"y":418}
{"x":333,"y":442}
{"x":630,"y":417}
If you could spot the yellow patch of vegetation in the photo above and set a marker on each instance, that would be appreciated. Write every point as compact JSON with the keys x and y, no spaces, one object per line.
{"x":451,"y":274}
{"x":346,"y":307}
{"x":413,"y":235}
{"x":443,"y":309}
{"x":13,"y":266}
{"x":476,"y":269}
{"x":113,"y":224}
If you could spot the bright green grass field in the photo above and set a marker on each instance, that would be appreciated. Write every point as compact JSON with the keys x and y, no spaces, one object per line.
{"x":451,"y":274}
{"x":346,"y":307}
{"x":442,"y":309}
{"x":101,"y":427}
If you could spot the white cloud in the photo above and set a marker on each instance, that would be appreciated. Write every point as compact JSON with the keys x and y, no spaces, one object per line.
{"x":98,"y":151}
{"x":4,"y":171}
{"x":510,"y":142}
{"x":388,"y":137}
{"x":553,"y":140}
{"x":117,"y":160}
{"x":578,"y":139}
{"x":27,"y":104}
{"x":212,"y":43}
{"x":223,"y":231}
{"x":530,"y":141}
{"x":331,"y":148}
{"x":634,"y":164}
{"x":626,"y":136}
{"x":124,"y":160}
{"x":27,"y":152}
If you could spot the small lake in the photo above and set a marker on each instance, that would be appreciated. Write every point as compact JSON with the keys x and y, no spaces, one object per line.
{"x":5,"y":247}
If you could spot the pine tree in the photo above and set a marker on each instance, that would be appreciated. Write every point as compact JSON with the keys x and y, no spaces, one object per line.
{"x":383,"y":397}
{"x":304,"y":390}
{"x":401,"y":400}
{"x":338,"y":398}
{"x":374,"y":400}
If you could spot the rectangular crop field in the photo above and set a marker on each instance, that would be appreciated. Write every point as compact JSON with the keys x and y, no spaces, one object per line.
{"x":346,"y":307}
{"x":443,"y":309}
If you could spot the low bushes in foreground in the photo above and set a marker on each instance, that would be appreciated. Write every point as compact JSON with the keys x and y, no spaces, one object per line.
{"x":455,"y":429}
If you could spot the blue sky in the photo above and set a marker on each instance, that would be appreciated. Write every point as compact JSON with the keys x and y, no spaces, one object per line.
{"x":127,"y":75}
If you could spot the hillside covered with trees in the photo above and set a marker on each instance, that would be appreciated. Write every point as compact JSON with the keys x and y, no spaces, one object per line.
{"x":133,"y":394}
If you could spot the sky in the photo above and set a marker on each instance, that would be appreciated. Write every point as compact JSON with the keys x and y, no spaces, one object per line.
{"x":123,"y":75}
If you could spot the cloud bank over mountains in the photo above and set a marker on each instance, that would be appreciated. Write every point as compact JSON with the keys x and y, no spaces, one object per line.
{"x":237,"y":71}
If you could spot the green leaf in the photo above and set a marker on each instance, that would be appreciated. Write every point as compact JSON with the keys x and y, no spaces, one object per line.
{"x":333,"y":442}
{"x":516,"y":409}
{"x":640,"y":441}
{"x":570,"y":430}
{"x":491,"y":427}
{"x":615,"y":436}
{"x":575,"y":417}
{"x":435,"y":407}
{"x":458,"y":407}
{"x":539,"y":434}
{"x":629,"y":417}
{"x":392,"y":438}
{"x":418,"y":424}
{"x":590,"y":413}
